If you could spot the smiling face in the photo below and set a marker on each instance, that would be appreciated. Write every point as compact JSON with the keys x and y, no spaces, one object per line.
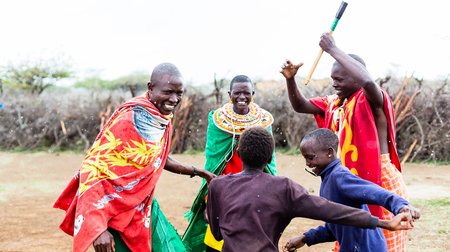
{"x":166,"y":92}
{"x":316,"y":157}
{"x":241,"y":94}
{"x":343,"y":83}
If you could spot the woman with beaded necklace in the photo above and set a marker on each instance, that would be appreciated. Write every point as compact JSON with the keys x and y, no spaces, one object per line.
{"x":225,"y":125}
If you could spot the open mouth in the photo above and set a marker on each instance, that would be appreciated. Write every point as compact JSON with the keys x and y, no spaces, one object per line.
{"x":338,"y":91}
{"x":169,"y":107}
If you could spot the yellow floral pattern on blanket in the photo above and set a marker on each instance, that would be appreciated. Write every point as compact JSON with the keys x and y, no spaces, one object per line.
{"x":109,"y":153}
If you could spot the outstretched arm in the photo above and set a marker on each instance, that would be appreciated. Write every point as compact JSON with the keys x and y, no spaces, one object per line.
{"x":402,"y":221}
{"x":297,"y":99}
{"x":302,"y":204}
{"x":356,"y":69}
{"x":359,"y":191}
{"x":313,"y":236}
{"x":176,"y":167}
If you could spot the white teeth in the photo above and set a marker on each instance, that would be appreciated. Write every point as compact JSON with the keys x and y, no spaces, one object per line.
{"x":170,"y":106}
{"x":241,"y":102}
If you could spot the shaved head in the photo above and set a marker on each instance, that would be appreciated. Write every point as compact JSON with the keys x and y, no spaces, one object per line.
{"x":165,"y":88}
{"x":324,"y":138}
{"x":355,"y":57}
{"x":164,"y":69}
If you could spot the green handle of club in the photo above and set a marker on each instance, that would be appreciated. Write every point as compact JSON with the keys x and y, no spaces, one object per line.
{"x":335,"y":22}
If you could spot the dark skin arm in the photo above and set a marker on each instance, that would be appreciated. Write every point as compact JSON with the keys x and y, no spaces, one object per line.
{"x":104,"y":243}
{"x":176,"y":167}
{"x":402,"y":221}
{"x":358,"y":71}
{"x":298,"y":101}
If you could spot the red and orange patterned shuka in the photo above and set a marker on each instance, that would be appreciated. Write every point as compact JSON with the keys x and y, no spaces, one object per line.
{"x":359,"y":148}
{"x":115,"y":184}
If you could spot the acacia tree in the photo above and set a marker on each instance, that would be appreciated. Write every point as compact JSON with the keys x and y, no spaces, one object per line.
{"x":34,"y":78}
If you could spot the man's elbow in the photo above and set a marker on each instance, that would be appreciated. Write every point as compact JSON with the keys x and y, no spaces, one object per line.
{"x":368,"y":83}
{"x":298,"y":109}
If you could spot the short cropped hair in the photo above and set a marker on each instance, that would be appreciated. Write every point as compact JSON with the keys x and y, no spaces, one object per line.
{"x":324,"y":137}
{"x":240,"y":78}
{"x":162,"y":69}
{"x":256,"y":147}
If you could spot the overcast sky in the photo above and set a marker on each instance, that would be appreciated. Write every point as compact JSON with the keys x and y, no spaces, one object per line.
{"x":111,"y":38}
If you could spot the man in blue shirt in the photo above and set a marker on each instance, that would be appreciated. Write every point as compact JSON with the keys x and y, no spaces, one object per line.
{"x":340,"y":185}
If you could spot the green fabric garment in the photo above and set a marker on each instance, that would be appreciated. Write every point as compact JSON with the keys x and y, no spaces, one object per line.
{"x":119,"y":244}
{"x":164,"y":236}
{"x":220,"y":147}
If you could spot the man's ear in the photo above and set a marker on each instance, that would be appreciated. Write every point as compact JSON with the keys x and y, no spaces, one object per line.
{"x":270,"y":160}
{"x":150,"y":85}
{"x":229,"y":93}
{"x":331,"y":152}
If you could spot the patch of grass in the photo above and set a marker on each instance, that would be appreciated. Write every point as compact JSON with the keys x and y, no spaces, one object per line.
{"x":432,"y":229}
{"x":439,"y":202}
{"x":444,"y":232}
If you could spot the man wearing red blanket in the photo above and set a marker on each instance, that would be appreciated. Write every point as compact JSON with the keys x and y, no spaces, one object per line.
{"x":111,"y":194}
{"x":361,"y":114}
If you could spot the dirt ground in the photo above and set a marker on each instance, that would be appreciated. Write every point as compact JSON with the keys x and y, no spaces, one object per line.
{"x":30,"y":182}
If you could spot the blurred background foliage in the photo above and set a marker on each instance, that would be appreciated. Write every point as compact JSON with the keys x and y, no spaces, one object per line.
{"x":44,"y":107}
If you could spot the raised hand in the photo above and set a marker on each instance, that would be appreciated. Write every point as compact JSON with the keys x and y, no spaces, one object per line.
{"x":327,"y":42}
{"x":289,"y":70}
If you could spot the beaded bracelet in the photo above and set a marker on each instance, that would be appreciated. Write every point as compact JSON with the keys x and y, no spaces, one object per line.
{"x":195,"y":172}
